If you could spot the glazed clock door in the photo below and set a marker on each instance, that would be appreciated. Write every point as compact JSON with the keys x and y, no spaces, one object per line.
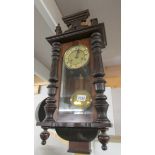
{"x":76,"y":92}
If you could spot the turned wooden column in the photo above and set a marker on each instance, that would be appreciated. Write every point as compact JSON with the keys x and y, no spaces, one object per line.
{"x":101,"y":104}
{"x":100,"y":101}
{"x":50,"y":107}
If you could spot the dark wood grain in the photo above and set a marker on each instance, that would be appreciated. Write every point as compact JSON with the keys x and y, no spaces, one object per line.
{"x":50,"y":107}
{"x":80,"y":147}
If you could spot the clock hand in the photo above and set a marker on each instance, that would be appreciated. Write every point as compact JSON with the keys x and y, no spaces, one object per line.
{"x":77,"y":53}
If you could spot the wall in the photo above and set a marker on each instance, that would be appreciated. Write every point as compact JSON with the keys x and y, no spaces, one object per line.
{"x":116,"y":100}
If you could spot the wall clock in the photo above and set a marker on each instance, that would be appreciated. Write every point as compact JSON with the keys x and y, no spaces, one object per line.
{"x":76,"y":106}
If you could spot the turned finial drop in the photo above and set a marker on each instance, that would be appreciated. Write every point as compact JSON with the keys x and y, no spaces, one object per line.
{"x":44,"y":136}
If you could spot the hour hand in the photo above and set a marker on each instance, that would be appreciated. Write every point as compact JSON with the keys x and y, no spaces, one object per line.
{"x":77,"y":53}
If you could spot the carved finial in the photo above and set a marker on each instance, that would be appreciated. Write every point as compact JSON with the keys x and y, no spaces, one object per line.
{"x":44,"y":136}
{"x":94,"y":21}
{"x":58,"y":29}
{"x":103,"y":139}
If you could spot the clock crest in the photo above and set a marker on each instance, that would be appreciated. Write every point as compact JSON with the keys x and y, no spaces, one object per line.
{"x":76,"y":106}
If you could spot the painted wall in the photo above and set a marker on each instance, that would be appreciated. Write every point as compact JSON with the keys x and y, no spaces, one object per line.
{"x":116,"y":100}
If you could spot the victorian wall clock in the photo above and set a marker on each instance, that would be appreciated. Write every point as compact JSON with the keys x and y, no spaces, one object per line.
{"x":76,"y":107}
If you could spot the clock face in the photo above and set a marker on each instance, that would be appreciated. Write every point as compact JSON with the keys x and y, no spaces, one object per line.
{"x":81,"y":99}
{"x":76,"y":57}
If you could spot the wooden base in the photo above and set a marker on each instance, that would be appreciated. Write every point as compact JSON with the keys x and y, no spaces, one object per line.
{"x":80,"y":147}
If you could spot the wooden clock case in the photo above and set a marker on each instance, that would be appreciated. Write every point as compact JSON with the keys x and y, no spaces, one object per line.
{"x":81,"y":133}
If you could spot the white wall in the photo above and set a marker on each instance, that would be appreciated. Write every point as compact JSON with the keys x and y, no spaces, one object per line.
{"x":116,"y":100}
{"x":41,"y":70}
{"x":113,"y":149}
{"x":56,"y":146}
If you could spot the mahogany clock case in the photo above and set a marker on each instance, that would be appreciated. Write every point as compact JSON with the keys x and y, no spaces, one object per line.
{"x":84,"y":126}
{"x":71,"y":38}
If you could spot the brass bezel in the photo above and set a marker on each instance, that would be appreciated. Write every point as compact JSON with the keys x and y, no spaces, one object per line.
{"x":68,"y":50}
